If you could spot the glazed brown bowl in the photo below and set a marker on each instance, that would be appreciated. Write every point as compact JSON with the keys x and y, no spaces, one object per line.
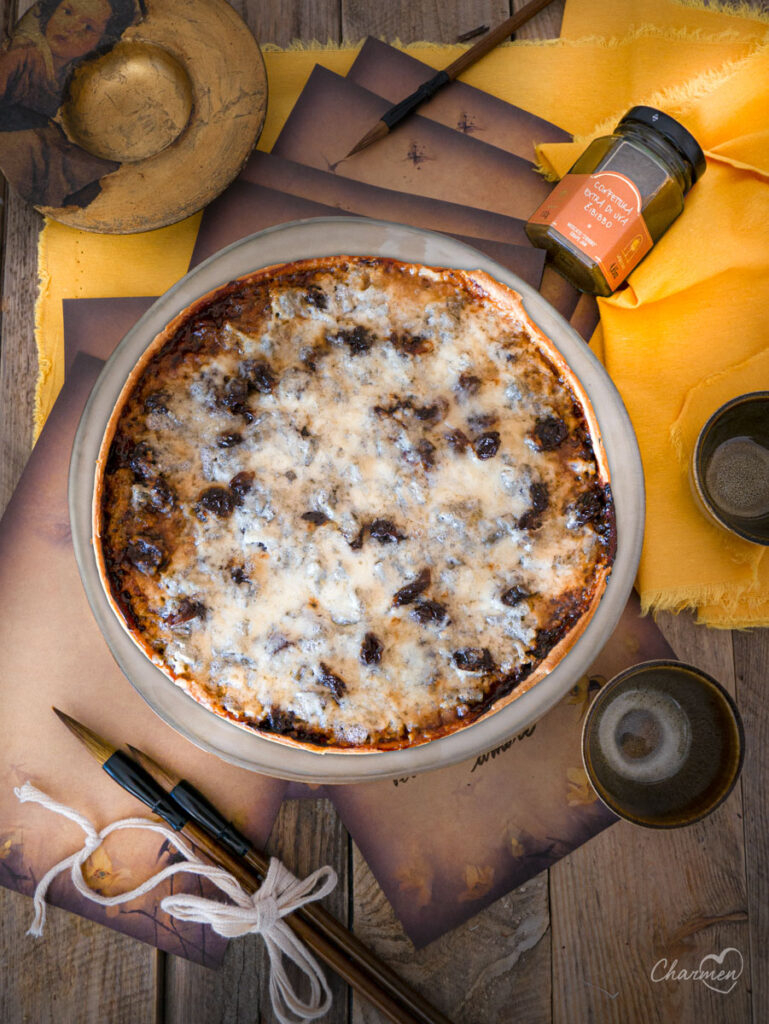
{"x":663,"y":744}
{"x":730,"y":467}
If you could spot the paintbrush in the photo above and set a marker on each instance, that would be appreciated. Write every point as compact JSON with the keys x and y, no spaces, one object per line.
{"x":402,"y":1007}
{"x":429,"y":88}
{"x":201,"y":810}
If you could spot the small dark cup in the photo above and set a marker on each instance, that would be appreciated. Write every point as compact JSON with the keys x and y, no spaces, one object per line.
{"x":663,"y":744}
{"x":730,"y":467}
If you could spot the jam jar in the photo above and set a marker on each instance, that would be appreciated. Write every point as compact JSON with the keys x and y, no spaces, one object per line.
{"x":620,"y":196}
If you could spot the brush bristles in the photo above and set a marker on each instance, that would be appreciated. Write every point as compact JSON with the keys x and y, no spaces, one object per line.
{"x":100,"y":749}
{"x":378,"y":132}
{"x":158,"y":772}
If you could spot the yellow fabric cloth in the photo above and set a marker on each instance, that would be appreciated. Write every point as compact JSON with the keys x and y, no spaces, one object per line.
{"x":692,"y":329}
{"x":684,"y":333}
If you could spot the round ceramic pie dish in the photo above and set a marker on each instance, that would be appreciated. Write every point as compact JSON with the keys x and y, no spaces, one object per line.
{"x":327,"y":238}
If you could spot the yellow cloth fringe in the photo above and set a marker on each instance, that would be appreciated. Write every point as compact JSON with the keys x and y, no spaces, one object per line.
{"x":691,"y":330}
{"x":679,"y":340}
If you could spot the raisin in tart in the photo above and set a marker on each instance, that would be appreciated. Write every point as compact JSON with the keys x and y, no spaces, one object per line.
{"x":354,"y":504}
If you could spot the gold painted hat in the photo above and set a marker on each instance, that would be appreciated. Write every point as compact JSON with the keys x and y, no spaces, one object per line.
{"x":124,"y":115}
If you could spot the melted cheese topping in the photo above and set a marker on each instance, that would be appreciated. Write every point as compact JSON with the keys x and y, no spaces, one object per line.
{"x":334,"y":437}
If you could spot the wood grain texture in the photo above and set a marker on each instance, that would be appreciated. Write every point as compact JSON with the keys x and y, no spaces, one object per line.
{"x":78,"y":971}
{"x":307,"y":834}
{"x":496,"y":35}
{"x":547,"y":24}
{"x":6,"y":23}
{"x":616,"y":905}
{"x":18,"y":354}
{"x":492,"y":970}
{"x":439,"y":21}
{"x":632,"y":896}
{"x":281,"y":24}
{"x":751,"y":659}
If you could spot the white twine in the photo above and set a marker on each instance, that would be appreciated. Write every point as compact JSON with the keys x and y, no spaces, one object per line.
{"x":261,"y":912}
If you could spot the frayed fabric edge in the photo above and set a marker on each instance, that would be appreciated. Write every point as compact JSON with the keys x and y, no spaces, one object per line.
{"x":683,"y":34}
{"x":675,"y":96}
{"x":694,"y":89}
{"x":44,"y":363}
{"x":735,"y":604}
{"x":734,"y":9}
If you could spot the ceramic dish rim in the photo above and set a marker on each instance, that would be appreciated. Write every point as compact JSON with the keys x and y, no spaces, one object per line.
{"x":353,"y":236}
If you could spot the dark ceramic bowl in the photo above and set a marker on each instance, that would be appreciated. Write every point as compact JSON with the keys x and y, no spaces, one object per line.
{"x":730,"y":467}
{"x":663,"y":744}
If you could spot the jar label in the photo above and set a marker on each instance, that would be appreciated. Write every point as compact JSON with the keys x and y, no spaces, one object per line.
{"x":601,"y":215}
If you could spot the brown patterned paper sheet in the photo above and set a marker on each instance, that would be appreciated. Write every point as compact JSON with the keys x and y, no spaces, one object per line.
{"x":52,"y":653}
{"x":95,"y":326}
{"x":559,"y":292}
{"x":446,"y":844}
{"x":479,"y":227}
{"x":586,"y":316}
{"x":245,"y":208}
{"x":393,"y":74}
{"x":442,"y":214}
{"x":500,"y":832}
{"x":419,"y":156}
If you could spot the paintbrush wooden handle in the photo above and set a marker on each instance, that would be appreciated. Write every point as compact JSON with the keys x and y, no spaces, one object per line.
{"x":336,"y":932}
{"x":401,"y":110}
{"x":364,"y":974}
{"x":411,"y":1009}
{"x":495,"y":37}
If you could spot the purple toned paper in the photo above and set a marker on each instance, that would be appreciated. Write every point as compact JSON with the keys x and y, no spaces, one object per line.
{"x":447,"y":844}
{"x":52,"y":653}
{"x":460,"y":808}
{"x":562,"y":295}
{"x":95,"y":326}
{"x":386,"y":204}
{"x":419,"y":156}
{"x":586,"y":316}
{"x":246,"y":208}
{"x":390,"y":73}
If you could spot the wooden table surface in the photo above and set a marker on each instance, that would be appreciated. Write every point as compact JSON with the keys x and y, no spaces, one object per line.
{"x":575,"y":944}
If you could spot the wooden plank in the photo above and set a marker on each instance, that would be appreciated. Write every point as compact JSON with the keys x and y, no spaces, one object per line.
{"x":77,"y":971}
{"x":307,"y":835}
{"x":441,"y":22}
{"x":7,"y":15}
{"x":492,"y":970}
{"x":546,"y":25}
{"x":408,"y":22}
{"x":281,"y":24}
{"x":751,"y":652}
{"x":633,"y":896}
{"x":18,"y":354}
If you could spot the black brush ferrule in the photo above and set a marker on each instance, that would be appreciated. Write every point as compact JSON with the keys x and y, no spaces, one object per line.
{"x":424,"y":92}
{"x":133,"y":778}
{"x":205,"y":814}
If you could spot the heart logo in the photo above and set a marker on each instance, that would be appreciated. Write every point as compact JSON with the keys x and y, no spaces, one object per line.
{"x":732,"y":974}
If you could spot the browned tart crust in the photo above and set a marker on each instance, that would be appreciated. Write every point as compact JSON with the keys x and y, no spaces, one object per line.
{"x":354,"y":504}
